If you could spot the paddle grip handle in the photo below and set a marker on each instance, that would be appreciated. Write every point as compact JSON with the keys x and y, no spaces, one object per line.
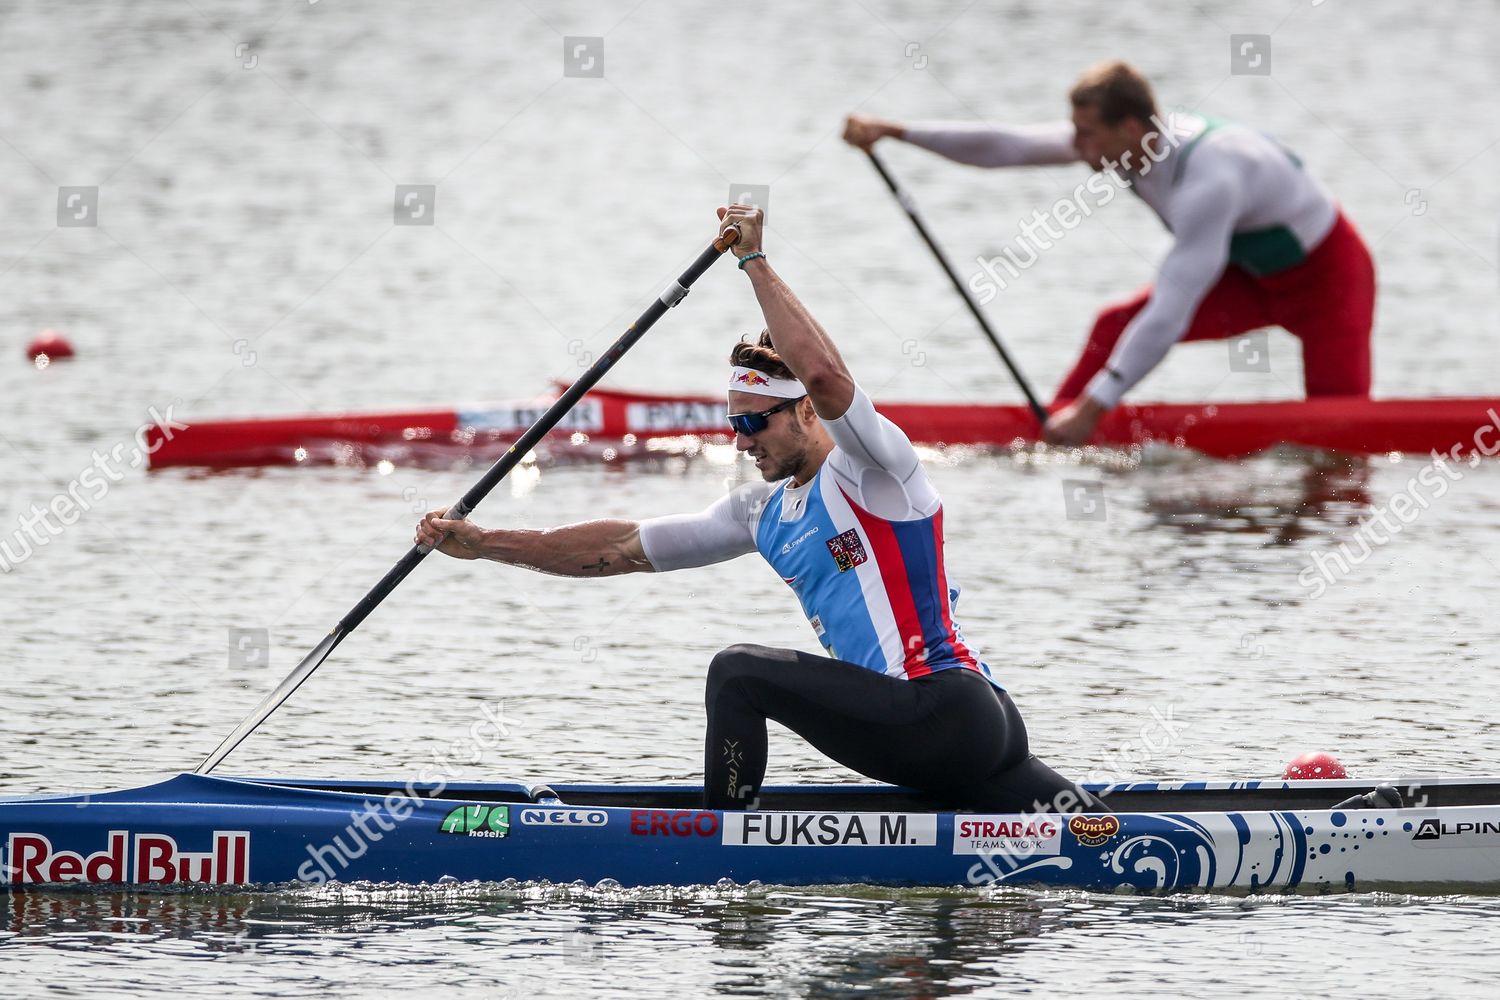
{"x":726,"y":240}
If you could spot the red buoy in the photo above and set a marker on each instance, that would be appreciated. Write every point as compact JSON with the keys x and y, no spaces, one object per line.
{"x":47,"y":347}
{"x":1315,"y":765}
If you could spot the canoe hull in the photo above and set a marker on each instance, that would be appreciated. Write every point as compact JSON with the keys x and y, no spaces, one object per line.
{"x":625,"y":422}
{"x":218,"y":831}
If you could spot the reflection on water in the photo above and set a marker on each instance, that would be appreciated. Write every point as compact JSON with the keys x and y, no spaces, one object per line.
{"x":1284,"y":497}
{"x":763,"y":941}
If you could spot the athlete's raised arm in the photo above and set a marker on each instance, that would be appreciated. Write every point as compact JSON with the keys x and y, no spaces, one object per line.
{"x":797,"y":337}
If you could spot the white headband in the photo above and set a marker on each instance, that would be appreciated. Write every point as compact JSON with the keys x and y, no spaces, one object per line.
{"x":750,"y":380}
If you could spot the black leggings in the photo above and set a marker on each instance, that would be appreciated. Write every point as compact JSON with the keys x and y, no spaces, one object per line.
{"x":950,"y":734}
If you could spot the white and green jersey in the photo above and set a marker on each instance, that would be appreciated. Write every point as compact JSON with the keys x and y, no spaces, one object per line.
{"x":1229,"y":194}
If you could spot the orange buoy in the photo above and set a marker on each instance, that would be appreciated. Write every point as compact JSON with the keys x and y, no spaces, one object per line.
{"x":47,"y":347}
{"x":1315,"y":765}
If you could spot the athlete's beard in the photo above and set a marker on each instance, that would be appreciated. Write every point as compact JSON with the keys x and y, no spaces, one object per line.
{"x":788,"y":466}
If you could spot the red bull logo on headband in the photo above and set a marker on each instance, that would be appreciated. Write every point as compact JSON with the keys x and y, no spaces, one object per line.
{"x":743,"y":379}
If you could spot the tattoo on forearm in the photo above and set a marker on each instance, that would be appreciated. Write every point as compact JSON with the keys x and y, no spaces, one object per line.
{"x":599,"y":566}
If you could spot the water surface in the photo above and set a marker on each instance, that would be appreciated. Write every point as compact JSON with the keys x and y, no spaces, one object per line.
{"x":246,"y":263}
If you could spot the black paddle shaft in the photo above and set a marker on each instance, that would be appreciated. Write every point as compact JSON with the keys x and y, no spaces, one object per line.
{"x":533,"y":436}
{"x":910,"y":208}
{"x":670,"y":297}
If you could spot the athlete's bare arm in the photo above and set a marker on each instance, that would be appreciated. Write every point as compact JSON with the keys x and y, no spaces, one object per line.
{"x":589,"y":548}
{"x":724,"y":530}
{"x":796,"y":336}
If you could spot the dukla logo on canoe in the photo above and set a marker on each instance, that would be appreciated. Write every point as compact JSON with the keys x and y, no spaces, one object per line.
{"x":1093,"y":831}
{"x":478,"y":821}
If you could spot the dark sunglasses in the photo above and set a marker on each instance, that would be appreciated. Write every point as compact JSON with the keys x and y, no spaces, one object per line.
{"x":750,"y":424}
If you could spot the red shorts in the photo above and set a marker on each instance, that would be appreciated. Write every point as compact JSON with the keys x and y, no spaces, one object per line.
{"x":1327,"y":302}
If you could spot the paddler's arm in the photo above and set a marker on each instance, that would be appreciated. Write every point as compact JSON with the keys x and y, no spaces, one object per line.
{"x":979,"y":145}
{"x":589,"y":548}
{"x":1203,"y":223}
{"x":795,"y":335}
{"x":724,"y":530}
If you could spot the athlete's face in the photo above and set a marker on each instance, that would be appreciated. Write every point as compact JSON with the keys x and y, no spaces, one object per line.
{"x":1101,"y":145}
{"x":782,"y":448}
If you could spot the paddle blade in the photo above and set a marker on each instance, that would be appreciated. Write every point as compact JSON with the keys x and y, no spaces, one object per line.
{"x":272,"y":701}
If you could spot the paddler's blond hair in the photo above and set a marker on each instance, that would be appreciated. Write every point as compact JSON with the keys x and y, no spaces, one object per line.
{"x":1116,"y":90}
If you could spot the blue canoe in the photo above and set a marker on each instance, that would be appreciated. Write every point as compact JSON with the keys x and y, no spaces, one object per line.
{"x":1162,"y":836}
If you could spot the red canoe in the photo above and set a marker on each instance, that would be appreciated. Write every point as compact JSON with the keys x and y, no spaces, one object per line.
{"x":619,"y":423}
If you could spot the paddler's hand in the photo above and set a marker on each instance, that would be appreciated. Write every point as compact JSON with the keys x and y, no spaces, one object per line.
{"x":750,"y":220}
{"x":866,"y":130}
{"x":1074,"y":424}
{"x":460,"y":539}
